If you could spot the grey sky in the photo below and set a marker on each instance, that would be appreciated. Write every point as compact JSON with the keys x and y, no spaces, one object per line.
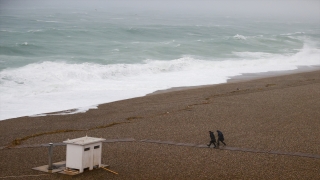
{"x":258,"y":8}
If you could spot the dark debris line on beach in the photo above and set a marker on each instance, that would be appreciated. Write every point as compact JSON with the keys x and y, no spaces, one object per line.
{"x":19,"y":140}
{"x":316,"y":156}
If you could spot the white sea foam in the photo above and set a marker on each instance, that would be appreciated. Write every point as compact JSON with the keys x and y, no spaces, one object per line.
{"x":46,"y":21}
{"x":22,"y":44}
{"x":193,"y":34}
{"x":58,"y":86}
{"x":167,"y":42}
{"x":239,"y":37}
{"x":295,"y":33}
{"x":67,"y":112}
{"x":33,"y":31}
{"x":256,"y":55}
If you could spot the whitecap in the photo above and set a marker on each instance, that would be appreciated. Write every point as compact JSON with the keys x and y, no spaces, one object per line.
{"x":295,"y":33}
{"x":22,"y":44}
{"x":193,"y":34}
{"x":239,"y":37}
{"x":167,"y":42}
{"x":38,"y":20}
{"x":33,"y":31}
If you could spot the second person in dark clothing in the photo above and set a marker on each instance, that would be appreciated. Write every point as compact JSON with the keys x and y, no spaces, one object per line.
{"x":220,"y":137}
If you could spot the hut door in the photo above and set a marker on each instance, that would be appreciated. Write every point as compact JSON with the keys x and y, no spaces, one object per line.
{"x":87,"y":158}
{"x":97,"y":155}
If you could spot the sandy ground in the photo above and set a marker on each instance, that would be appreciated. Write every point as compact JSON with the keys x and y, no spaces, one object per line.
{"x":274,"y":114}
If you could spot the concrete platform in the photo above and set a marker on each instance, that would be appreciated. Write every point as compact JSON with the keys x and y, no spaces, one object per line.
{"x":56,"y":167}
{"x":60,"y":167}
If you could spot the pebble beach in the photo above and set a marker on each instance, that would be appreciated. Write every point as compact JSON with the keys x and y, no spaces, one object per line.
{"x":271,"y":127}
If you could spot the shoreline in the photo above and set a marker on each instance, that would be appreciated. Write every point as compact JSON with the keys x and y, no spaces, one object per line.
{"x":252,"y":76}
{"x":245,"y":77}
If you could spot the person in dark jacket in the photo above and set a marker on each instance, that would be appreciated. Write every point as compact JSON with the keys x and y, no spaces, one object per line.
{"x":220,"y":137}
{"x":213,"y":139}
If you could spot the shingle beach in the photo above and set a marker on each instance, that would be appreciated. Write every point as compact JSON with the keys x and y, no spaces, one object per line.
{"x":271,"y":127}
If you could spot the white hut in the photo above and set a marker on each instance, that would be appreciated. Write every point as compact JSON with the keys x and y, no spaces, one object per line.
{"x":84,"y":152}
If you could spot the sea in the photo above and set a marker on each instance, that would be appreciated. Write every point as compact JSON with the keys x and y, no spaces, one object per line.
{"x":63,"y":58}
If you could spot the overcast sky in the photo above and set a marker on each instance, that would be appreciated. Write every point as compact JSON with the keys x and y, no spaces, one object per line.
{"x":281,"y":8}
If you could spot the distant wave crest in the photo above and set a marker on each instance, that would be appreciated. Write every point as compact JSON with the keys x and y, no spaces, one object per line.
{"x":239,"y":37}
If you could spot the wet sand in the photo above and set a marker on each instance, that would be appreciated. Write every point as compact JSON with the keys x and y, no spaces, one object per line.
{"x":274,"y":118}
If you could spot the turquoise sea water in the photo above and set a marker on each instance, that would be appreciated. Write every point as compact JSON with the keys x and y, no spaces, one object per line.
{"x":54,"y":59}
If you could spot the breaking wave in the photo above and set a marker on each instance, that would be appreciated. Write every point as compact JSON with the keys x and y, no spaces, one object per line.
{"x":82,"y":85}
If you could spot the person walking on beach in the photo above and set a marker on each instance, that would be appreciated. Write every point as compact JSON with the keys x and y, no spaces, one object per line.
{"x":213,"y":139}
{"x":220,"y":137}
